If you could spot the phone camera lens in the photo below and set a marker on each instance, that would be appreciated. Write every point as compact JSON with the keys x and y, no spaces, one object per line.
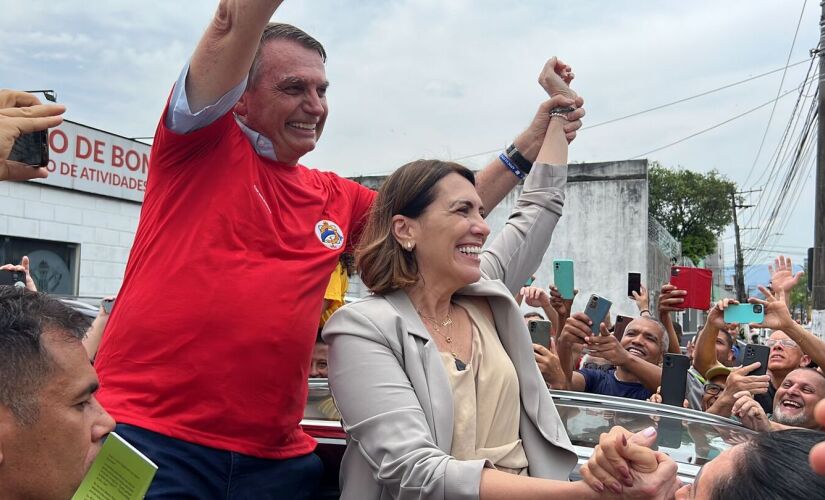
{"x":757,"y":308}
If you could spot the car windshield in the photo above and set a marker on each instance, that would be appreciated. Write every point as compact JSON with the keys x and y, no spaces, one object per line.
{"x":691,"y":438}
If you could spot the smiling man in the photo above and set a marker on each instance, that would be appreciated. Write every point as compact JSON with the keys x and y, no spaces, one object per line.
{"x":636,"y":357}
{"x":51,"y":426}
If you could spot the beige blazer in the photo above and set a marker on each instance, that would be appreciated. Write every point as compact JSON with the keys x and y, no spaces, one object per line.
{"x":392,"y":390}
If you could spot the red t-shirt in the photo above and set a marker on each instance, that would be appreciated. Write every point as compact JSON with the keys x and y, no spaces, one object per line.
{"x":211,"y":338}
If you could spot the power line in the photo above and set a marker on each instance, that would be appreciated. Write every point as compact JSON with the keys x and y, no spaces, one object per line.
{"x":778,"y":90}
{"x":661,"y":106}
{"x":691,"y":136}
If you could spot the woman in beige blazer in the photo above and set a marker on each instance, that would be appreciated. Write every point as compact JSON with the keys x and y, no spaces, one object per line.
{"x":434,"y":374}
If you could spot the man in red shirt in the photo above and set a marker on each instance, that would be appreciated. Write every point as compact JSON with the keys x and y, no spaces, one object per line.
{"x":205,"y":360}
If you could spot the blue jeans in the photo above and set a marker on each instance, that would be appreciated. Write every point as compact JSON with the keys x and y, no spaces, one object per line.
{"x":187,"y":470}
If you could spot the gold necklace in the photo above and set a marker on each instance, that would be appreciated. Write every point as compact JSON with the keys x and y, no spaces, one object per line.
{"x":446,"y":323}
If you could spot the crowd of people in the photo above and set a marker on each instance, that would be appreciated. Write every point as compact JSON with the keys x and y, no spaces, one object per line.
{"x":435,"y":379}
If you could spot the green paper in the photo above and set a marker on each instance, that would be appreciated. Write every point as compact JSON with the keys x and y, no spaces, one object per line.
{"x":120,"y":472}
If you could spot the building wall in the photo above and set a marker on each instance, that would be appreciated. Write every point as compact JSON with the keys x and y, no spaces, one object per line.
{"x":103,"y":228}
{"x":604,"y":230}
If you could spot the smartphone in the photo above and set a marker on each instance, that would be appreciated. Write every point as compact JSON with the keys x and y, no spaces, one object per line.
{"x":11,"y":278}
{"x":563,"y":277}
{"x":744,"y":313}
{"x":530,"y":281}
{"x":596,"y":309}
{"x":634,"y":283}
{"x":31,"y":149}
{"x":107,"y":305}
{"x":620,"y":325}
{"x":674,"y":379}
{"x":539,"y":331}
{"x":696,"y":282}
{"x":754,"y":353}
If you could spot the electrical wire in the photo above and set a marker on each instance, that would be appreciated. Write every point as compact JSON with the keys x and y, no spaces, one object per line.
{"x":778,"y":91}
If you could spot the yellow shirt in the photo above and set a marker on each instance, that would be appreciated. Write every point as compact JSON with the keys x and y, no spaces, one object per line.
{"x":336,"y":289}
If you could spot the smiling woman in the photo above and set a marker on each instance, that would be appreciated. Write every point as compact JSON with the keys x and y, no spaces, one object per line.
{"x":452,"y":404}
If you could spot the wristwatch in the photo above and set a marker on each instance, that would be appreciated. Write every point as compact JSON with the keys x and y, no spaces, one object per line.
{"x":520,"y":161}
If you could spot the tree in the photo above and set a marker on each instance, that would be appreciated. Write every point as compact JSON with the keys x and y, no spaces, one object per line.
{"x":694,"y":207}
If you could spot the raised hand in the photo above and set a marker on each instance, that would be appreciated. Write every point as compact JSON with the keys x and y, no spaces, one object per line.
{"x":782,"y":275}
{"x":22,"y":113}
{"x":535,"y":296}
{"x":608,"y":347}
{"x":562,"y":306}
{"x":669,"y":299}
{"x":777,"y":315}
{"x":642,"y":299}
{"x":24,"y":267}
{"x":555,"y":79}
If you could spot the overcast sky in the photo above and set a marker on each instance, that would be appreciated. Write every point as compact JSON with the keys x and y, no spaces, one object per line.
{"x":450,"y":79}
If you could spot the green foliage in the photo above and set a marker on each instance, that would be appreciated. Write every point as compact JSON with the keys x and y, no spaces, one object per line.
{"x":694,"y":207}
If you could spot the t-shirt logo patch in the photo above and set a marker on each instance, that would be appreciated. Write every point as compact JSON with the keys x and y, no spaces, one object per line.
{"x":330,"y":234}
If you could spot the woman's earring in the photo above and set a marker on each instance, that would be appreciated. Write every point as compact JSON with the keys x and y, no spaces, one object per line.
{"x":409,"y":246}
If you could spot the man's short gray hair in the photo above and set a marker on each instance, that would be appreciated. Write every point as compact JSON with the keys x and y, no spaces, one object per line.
{"x":283,"y":31}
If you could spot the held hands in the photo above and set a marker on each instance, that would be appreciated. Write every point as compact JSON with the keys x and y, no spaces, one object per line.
{"x":22,"y":113}
{"x":24,"y":267}
{"x":624,"y":464}
{"x":750,"y":412}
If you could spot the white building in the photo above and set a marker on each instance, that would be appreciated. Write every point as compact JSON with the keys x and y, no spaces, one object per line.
{"x":77,"y":226}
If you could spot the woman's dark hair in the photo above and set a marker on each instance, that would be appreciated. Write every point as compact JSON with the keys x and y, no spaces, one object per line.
{"x":382,"y":264}
{"x":774,"y":465}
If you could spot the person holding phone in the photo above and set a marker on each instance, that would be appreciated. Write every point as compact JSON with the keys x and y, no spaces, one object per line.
{"x":23,"y":113}
{"x":636,"y":358}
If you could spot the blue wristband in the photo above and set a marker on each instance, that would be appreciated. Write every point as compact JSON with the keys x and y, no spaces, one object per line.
{"x":506,"y":161}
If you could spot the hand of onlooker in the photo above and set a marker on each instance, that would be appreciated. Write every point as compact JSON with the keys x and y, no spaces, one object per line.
{"x":690,"y":348}
{"x":22,"y":113}
{"x":739,"y":380}
{"x":561,"y":305}
{"x":642,"y":299}
{"x":750,"y":412}
{"x":777,"y":315}
{"x":549,"y":365}
{"x":535,"y":296}
{"x":576,"y":329}
{"x":817,"y":457}
{"x":608,"y":347}
{"x":656,"y":397}
{"x":782,"y":275}
{"x":669,"y":299}
{"x":624,"y":464}
{"x":716,"y":314}
{"x":22,"y":267}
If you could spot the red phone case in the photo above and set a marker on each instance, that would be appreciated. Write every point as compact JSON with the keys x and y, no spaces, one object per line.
{"x":697,"y":282}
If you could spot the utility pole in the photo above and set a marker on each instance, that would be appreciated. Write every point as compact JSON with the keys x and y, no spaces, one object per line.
{"x":818,"y":264}
{"x":739,"y":276}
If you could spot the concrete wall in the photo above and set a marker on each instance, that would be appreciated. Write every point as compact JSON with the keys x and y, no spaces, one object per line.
{"x":604,"y":230}
{"x":103,"y":228}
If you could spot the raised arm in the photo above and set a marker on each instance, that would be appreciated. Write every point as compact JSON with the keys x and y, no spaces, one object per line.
{"x":704,"y":356}
{"x":226,"y":50}
{"x":778,"y":317}
{"x":669,"y":298}
{"x":608,"y":347}
{"x":576,"y":330}
{"x":496,"y":179}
